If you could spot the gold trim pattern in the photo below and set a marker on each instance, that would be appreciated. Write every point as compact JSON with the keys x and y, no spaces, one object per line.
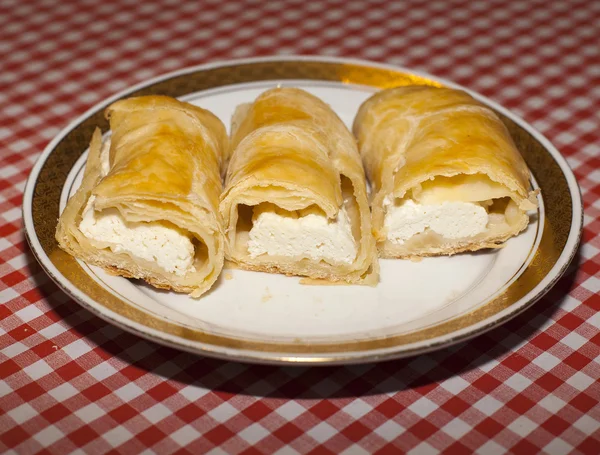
{"x":52,"y":176}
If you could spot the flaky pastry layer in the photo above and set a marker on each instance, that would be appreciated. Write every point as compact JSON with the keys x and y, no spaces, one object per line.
{"x":165,"y":167}
{"x":290,"y":149}
{"x":409,"y":136}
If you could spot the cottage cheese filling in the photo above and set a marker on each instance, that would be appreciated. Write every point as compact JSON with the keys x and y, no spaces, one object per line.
{"x":451,"y":219}
{"x":306,"y":233}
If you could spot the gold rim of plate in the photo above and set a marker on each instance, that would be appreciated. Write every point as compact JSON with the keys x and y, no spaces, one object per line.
{"x":54,"y":172}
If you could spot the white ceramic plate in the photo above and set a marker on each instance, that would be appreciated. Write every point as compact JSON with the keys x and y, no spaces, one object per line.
{"x":258,"y":317}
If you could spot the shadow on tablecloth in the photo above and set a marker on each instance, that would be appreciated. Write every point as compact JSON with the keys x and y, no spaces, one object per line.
{"x":421,"y":372}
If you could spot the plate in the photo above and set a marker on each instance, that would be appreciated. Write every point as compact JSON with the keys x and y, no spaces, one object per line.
{"x":263,"y":318}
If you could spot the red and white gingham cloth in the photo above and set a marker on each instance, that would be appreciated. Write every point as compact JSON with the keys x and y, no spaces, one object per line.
{"x":70,"y":382}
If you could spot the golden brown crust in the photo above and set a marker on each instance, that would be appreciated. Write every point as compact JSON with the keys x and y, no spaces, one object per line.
{"x":291,"y":269}
{"x":410,"y":135}
{"x":393,"y":252}
{"x":165,"y":164}
{"x":291,"y":149}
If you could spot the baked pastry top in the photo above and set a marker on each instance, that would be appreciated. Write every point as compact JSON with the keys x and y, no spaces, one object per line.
{"x":295,"y":192}
{"x":148,"y":204}
{"x":445,"y":173}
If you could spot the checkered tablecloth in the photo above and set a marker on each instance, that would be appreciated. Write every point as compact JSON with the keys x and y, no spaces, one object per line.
{"x":70,"y":381}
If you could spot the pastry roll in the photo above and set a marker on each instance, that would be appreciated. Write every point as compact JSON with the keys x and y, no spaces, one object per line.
{"x":295,"y":192}
{"x":148,"y":204}
{"x":445,"y":174}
